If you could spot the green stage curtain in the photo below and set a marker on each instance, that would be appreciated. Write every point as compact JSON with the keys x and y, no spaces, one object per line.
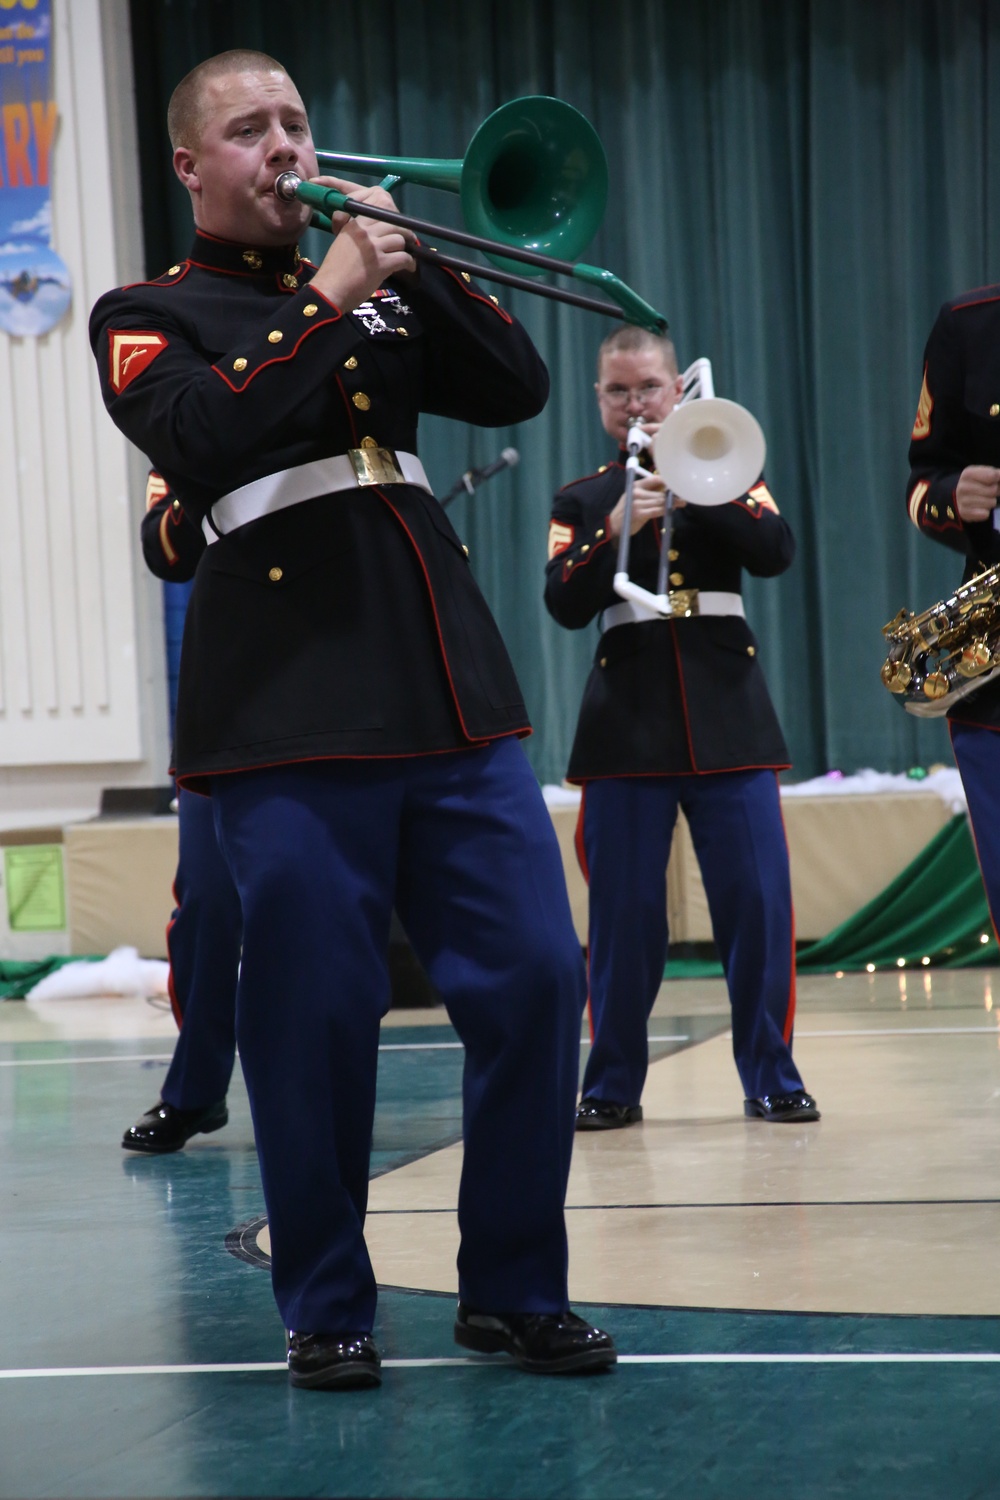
{"x":935,"y":909}
{"x":18,"y":976}
{"x":798,"y":184}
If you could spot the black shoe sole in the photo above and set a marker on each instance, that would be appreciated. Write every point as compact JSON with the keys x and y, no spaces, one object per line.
{"x":484,"y":1341}
{"x":150,"y":1148}
{"x":337,"y":1378}
{"x":604,"y":1122}
{"x":804,"y":1115}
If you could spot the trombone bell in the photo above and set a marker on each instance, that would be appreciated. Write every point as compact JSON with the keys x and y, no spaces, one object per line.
{"x":534,"y":177}
{"x":710,"y":451}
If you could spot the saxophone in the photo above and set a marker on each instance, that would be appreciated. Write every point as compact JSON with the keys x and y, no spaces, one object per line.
{"x":947,"y":652}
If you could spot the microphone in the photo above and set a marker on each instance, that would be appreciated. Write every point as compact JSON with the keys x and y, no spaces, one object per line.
{"x":473,"y":478}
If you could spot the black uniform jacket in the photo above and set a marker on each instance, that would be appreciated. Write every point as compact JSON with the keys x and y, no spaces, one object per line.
{"x":349,"y":624}
{"x":171,"y":542}
{"x":958,"y":424}
{"x":667,"y":697}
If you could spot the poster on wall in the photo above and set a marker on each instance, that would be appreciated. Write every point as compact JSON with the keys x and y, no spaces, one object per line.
{"x":35,"y":289}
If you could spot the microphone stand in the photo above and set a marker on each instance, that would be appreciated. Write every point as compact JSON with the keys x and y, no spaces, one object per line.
{"x":462,"y":486}
{"x":469,"y":482}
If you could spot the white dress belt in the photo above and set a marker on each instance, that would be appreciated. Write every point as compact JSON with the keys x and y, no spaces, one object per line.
{"x":709,"y":603}
{"x":344,"y":471}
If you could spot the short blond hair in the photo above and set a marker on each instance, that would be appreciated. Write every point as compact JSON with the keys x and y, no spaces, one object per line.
{"x":628,"y":339}
{"x":186,"y":110}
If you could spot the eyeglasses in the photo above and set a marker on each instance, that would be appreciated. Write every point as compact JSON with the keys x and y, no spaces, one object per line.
{"x":619,"y":395}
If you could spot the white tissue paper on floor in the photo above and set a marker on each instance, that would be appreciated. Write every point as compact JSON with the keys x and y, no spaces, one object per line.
{"x":123,"y":972}
{"x":944,"y":781}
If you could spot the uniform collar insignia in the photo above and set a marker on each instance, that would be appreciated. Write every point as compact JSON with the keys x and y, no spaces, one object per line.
{"x":245,"y":260}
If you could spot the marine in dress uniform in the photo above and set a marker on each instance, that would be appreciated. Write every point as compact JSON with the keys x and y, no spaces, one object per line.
{"x":346,"y":699}
{"x":205,"y":930}
{"x":952,"y":497}
{"x":675,"y":713}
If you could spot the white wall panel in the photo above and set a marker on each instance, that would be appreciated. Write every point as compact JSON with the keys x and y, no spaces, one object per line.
{"x":69,"y":691}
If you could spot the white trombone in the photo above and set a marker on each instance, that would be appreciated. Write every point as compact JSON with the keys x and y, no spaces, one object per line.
{"x":708,"y":451}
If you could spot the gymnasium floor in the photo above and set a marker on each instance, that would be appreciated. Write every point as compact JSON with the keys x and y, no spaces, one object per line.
{"x":809,"y":1311}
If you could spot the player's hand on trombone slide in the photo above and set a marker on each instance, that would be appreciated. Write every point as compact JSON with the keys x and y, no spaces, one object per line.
{"x":364,"y":252}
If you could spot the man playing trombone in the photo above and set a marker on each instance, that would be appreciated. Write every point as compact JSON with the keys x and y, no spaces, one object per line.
{"x":346,"y":700}
{"x":675,"y":714}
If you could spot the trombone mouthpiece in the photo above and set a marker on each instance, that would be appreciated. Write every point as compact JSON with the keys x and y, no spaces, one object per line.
{"x":285,"y":185}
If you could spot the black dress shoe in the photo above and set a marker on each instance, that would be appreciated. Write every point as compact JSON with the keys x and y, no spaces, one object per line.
{"x":164,"y":1128}
{"x":602,"y":1114}
{"x":333,"y":1361}
{"x":782,"y":1108}
{"x":542,"y":1343}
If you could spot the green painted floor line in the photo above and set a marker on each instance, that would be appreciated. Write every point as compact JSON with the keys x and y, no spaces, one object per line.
{"x":906,"y":1031}
{"x":164,"y":1057}
{"x":53,"y":1062}
{"x":479,"y":1362}
{"x":658,"y":1207}
{"x":419,"y":1046}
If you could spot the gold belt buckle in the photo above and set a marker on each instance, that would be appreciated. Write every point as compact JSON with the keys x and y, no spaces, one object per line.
{"x":684,"y":602}
{"x":375,"y":466}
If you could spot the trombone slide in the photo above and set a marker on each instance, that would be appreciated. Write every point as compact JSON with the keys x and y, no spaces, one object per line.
{"x":657,"y":604}
{"x":626,"y":304}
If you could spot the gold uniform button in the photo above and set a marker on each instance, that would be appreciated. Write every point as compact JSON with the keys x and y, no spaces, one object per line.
{"x":275,"y":336}
{"x":599,"y":532}
{"x":751,"y":651}
{"x":403,"y":332}
{"x":994,"y":409}
{"x":676,"y":580}
{"x":603,"y":469}
{"x":253,"y":260}
{"x":176,"y":507}
{"x":673,"y":554}
{"x":292,"y":282}
{"x":310,"y":310}
{"x":361,"y":401}
{"x":466,"y":276}
{"x":350,"y":364}
{"x":275,"y":575}
{"x":239,"y":364}
{"x":604,"y":661}
{"x":951,"y":514}
{"x":494,"y":300}
{"x":369,"y":442}
{"x":933,"y":510}
{"x":585,"y":547}
{"x":173,"y":270}
{"x":465,"y":549}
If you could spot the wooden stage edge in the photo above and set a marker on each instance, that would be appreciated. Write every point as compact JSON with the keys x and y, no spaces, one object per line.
{"x":844,"y":850}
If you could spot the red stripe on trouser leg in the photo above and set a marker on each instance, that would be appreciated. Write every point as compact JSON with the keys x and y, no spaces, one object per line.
{"x":789,"y":1025}
{"x":581,"y":858}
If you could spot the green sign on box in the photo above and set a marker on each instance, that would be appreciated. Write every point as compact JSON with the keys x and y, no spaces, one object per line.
{"x":36,"y":893}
